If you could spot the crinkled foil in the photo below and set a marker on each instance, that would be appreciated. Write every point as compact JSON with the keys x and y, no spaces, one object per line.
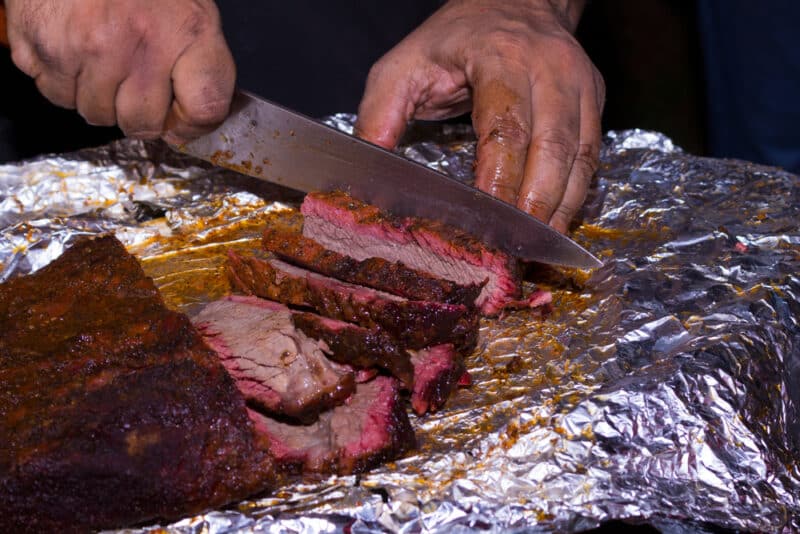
{"x":663,"y":388}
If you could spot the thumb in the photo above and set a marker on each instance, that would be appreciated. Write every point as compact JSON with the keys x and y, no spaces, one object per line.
{"x":386,"y":107}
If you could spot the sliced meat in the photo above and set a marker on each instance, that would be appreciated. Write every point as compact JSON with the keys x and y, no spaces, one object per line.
{"x":377,"y":273}
{"x":437,"y":373}
{"x":112,"y":409}
{"x":371,"y":428}
{"x":348,"y":226}
{"x":357,"y":346}
{"x":276,"y":367}
{"x":415,"y":324}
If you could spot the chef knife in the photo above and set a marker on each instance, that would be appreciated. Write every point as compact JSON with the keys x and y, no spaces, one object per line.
{"x":267,"y":141}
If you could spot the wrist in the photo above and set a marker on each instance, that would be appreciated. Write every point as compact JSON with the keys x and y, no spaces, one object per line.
{"x":566,"y":13}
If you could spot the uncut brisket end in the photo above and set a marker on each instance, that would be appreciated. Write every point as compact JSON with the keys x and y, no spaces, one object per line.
{"x":372,"y":427}
{"x":415,"y":324}
{"x":356,"y":345}
{"x":437,"y":372}
{"x":276,"y":367}
{"x":112,"y":409}
{"x":348,"y":226}
{"x":377,"y":273}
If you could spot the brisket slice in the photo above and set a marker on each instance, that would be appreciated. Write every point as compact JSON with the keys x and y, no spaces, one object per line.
{"x":276,"y":367}
{"x":348,"y":226}
{"x":377,"y":273}
{"x":112,"y":409}
{"x":356,"y":345}
{"x":415,"y":324}
{"x":370,"y":428}
{"x":437,"y":373}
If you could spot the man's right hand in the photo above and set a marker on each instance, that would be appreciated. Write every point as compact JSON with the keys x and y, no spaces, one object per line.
{"x":153,"y":68}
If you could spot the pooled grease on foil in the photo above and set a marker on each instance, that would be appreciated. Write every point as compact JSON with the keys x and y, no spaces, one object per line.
{"x":663,"y":388}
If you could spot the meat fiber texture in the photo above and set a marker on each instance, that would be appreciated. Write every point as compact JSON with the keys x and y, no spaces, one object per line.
{"x":283,"y":372}
{"x":377,"y":273}
{"x":372,"y":427}
{"x":276,"y":367}
{"x":437,"y":366}
{"x":357,"y":346}
{"x":348,"y":226}
{"x":112,"y":409}
{"x":437,"y":373}
{"x":415,"y":324}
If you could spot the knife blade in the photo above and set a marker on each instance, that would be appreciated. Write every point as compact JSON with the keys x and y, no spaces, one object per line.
{"x":265,"y":140}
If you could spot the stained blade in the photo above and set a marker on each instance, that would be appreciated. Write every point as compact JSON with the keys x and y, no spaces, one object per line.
{"x":267,"y":141}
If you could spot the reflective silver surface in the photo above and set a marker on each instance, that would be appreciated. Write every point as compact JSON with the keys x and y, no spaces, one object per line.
{"x":663,"y":387}
{"x":265,"y":140}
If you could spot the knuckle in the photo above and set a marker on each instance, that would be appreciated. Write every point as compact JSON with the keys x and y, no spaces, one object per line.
{"x":140,"y":23}
{"x":24,"y":60}
{"x":571,"y":51}
{"x":206,"y":111}
{"x":47,"y":53}
{"x":538,"y":206}
{"x":565,"y":212}
{"x":503,"y":191}
{"x":98,"y":40}
{"x":199,"y":19}
{"x":380,"y":69}
{"x":562,"y":218}
{"x":508,"y":44}
{"x":376,"y":69}
{"x":507,"y":130}
{"x":556,"y":145}
{"x":587,"y":160}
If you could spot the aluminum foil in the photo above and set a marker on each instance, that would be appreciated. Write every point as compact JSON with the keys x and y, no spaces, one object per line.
{"x":663,"y":388}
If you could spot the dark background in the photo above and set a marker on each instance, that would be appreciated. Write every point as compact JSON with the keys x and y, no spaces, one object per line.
{"x":649,"y":54}
{"x":646,"y":50}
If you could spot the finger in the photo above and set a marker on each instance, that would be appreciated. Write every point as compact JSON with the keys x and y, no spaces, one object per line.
{"x":56,"y":84}
{"x":585,"y":163}
{"x":501,"y":118}
{"x":203,"y":80}
{"x":23,"y":56}
{"x":57,"y":88}
{"x":96,"y":90}
{"x":386,"y":107}
{"x":554,"y":143}
{"x":143,"y":100}
{"x":54,"y":77}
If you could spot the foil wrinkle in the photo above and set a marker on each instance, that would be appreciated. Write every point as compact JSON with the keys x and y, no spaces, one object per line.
{"x":663,"y":388}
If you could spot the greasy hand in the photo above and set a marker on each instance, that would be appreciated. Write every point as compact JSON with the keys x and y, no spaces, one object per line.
{"x":152,"y":67}
{"x":535,"y":96}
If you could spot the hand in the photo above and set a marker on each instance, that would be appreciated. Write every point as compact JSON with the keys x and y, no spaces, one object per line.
{"x":154,"y":68}
{"x":536,"y":98}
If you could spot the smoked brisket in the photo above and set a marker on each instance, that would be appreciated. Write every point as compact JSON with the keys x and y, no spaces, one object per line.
{"x":276,"y":367}
{"x":415,"y":324}
{"x":112,"y":409}
{"x":437,"y":372}
{"x":377,"y":273}
{"x":370,"y":428}
{"x":357,"y":346}
{"x":348,"y":226}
